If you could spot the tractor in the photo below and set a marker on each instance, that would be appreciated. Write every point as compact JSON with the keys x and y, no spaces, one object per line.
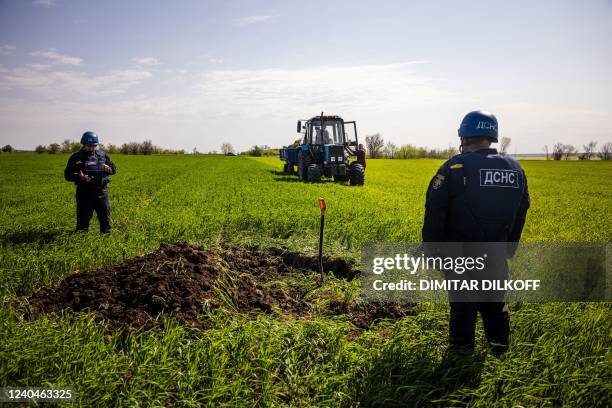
{"x":324,"y":148}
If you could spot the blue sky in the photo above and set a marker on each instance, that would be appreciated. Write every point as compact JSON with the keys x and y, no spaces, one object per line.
{"x":199,"y":73}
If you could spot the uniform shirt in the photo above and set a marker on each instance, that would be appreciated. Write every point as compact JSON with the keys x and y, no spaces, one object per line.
{"x":77,"y":163}
{"x":361,"y":156}
{"x":476,"y":197}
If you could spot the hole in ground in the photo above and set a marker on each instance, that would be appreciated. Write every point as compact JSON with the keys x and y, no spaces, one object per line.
{"x":188,"y":281}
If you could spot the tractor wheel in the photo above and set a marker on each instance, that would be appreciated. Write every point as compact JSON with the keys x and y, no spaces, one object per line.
{"x":356,"y":174}
{"x":286,"y":169}
{"x":302,"y":166}
{"x":314,"y":173}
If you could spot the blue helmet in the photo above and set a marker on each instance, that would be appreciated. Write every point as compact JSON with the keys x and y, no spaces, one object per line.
{"x":479,"y":123}
{"x":89,"y":138}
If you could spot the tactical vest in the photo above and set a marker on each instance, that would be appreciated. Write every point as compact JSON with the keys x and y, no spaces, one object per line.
{"x":486,"y":192}
{"x":94,"y":168}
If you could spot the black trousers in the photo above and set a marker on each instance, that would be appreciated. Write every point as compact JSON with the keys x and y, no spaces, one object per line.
{"x":88,"y":200}
{"x":495,"y":318}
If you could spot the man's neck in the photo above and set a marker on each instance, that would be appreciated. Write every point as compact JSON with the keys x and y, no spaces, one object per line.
{"x":476,"y":147}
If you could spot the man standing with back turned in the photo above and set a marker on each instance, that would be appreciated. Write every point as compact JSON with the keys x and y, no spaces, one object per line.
{"x":89,"y":169}
{"x":477,"y":196}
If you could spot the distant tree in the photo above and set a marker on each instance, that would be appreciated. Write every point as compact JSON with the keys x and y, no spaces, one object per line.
{"x":7,"y":149}
{"x":75,"y":146}
{"x":146,"y":148}
{"x":195,"y":151}
{"x":54,"y":148}
{"x":112,"y":149}
{"x":390,"y":150}
{"x":503,"y":146}
{"x":558,"y":150}
{"x":40,"y":149}
{"x":449,"y":152}
{"x":568,"y":151}
{"x":589,"y":150}
{"x":255,"y":151}
{"x":227,"y":148}
{"x":133,"y":148}
{"x":546,"y":151}
{"x":605,"y":152}
{"x":270,"y":151}
{"x":374,"y":144}
{"x":66,"y":146}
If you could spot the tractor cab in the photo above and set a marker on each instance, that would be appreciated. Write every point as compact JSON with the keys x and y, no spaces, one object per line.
{"x":325,"y":147}
{"x":328,"y":130}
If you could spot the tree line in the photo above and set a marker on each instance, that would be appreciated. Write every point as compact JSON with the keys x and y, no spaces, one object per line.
{"x":375,"y":144}
{"x":146,"y":148}
{"x":567,"y":151}
{"x":377,"y":148}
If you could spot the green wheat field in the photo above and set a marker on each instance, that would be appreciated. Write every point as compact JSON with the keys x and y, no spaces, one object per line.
{"x":559,"y":356}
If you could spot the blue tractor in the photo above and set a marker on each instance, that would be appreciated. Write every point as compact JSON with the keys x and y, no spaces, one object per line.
{"x":325,"y":148}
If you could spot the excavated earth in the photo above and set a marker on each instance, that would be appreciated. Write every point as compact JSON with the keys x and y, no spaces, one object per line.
{"x":190,"y":282}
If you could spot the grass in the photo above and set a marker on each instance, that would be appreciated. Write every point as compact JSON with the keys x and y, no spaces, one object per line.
{"x":560,"y":353}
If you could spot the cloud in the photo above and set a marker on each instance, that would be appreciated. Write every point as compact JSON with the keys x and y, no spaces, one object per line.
{"x":330,"y":88}
{"x":215,"y":60}
{"x":56,"y":57}
{"x":7,"y":49}
{"x":39,"y":67}
{"x":150,"y":61}
{"x":253,"y":19}
{"x":45,"y":3}
{"x":71,"y":84}
{"x":282,"y":92}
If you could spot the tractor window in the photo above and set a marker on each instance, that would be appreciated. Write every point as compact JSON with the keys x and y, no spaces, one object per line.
{"x":331,"y":133}
{"x":350,"y":132}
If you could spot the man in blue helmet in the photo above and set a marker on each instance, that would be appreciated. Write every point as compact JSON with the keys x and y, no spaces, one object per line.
{"x":478,"y":196}
{"x":89,"y":169}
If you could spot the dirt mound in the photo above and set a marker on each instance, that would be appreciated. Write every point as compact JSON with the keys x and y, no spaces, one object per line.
{"x":190,"y":282}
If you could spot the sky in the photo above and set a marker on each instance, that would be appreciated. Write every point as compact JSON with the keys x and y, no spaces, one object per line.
{"x":198,"y":73}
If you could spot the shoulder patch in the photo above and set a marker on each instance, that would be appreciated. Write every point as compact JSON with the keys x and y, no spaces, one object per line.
{"x":437,"y":181}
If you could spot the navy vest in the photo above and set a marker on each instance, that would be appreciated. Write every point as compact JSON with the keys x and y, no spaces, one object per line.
{"x":94,"y":168}
{"x":486,"y":192}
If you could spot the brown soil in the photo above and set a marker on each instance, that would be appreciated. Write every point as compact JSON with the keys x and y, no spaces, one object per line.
{"x":190,"y":282}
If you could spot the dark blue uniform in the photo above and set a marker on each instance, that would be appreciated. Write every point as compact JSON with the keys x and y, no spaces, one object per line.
{"x":91,"y":194}
{"x":477,"y":197}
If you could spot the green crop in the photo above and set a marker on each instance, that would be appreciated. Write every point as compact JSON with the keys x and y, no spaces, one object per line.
{"x":560,"y":353}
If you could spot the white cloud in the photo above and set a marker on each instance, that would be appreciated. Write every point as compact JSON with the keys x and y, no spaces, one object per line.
{"x":7,"y":49}
{"x":45,"y":3}
{"x":283,"y":93}
{"x":71,"y":84}
{"x":331,"y":88}
{"x":56,"y":57}
{"x":253,"y":19}
{"x":39,"y":67}
{"x":215,"y":60}
{"x":150,"y":61}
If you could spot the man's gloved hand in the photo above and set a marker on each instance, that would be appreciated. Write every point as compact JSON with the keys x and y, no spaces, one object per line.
{"x":83,"y":176}
{"x":107,"y":168}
